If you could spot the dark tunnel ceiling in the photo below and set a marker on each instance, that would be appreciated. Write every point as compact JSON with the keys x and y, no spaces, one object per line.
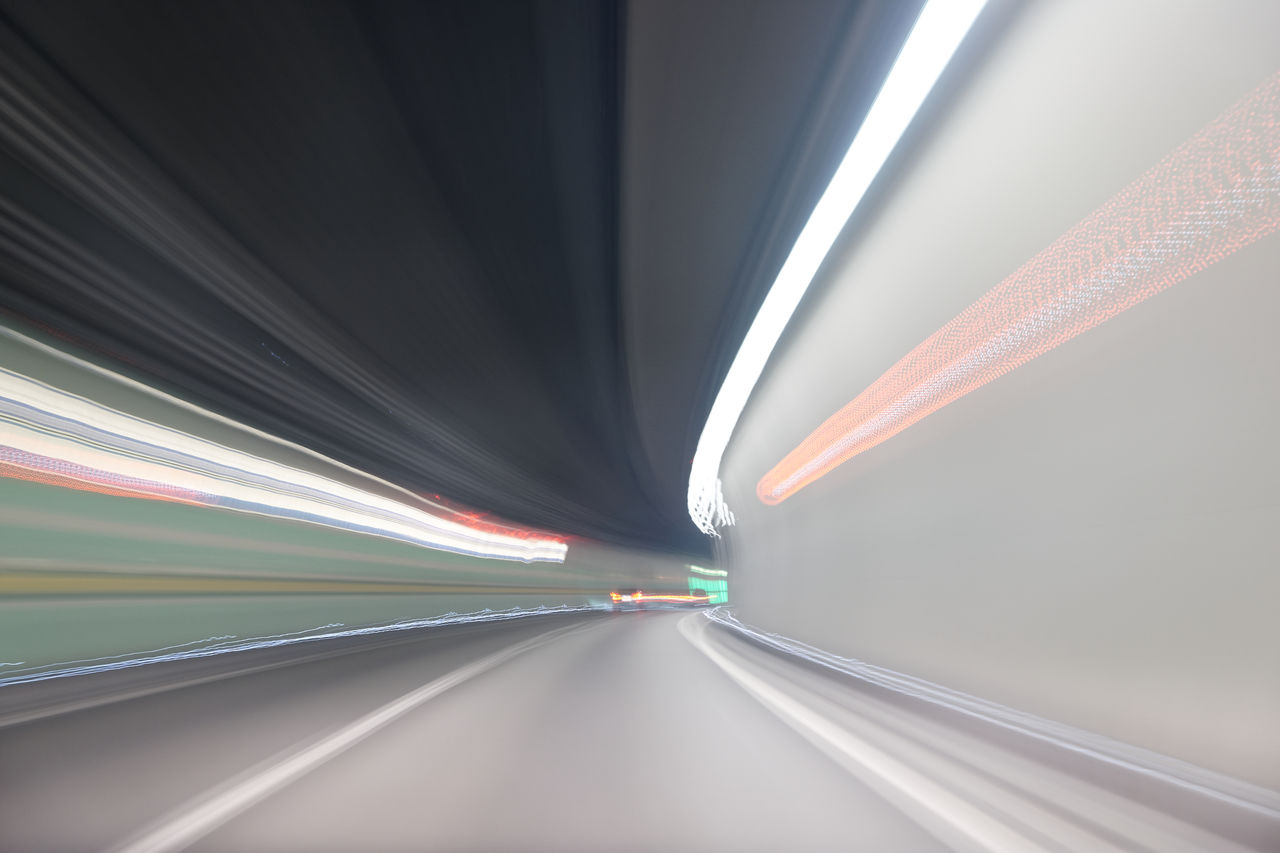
{"x":502,"y":252}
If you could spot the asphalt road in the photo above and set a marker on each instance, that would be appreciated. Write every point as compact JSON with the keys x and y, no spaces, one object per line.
{"x":644,"y":731}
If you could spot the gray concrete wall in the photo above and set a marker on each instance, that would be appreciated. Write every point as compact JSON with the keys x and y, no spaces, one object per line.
{"x":1092,"y":538}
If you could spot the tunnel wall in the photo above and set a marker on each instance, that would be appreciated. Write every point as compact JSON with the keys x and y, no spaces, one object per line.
{"x":1093,"y":537}
{"x":90,"y":576}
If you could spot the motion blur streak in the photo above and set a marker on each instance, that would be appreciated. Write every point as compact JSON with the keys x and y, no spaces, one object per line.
{"x":1216,"y":194}
{"x":58,"y":438}
{"x":890,"y":777}
{"x":973,"y":795}
{"x":937,"y":33}
{"x":1172,"y":771}
{"x":212,"y":646}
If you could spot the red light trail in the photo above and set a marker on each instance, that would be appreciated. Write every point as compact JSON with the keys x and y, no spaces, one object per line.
{"x":1215,"y":194}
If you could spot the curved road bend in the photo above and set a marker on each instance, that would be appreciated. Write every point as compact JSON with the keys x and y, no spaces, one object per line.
{"x":641,"y":731}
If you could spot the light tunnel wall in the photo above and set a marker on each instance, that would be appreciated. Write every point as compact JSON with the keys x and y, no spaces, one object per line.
{"x":1216,"y":194}
{"x":1091,"y":536}
{"x":99,"y":566}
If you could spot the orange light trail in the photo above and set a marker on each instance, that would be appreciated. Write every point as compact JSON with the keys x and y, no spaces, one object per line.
{"x":650,"y":596}
{"x":671,"y":598}
{"x":1214,"y":195}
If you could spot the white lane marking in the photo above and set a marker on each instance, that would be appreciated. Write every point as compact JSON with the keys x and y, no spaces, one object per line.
{"x":907,"y":786}
{"x":48,"y":711}
{"x":207,"y":812}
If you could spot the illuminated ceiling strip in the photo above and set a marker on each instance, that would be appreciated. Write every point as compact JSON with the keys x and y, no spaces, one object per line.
{"x":715,"y":573}
{"x":59,"y":438}
{"x":1217,"y":193}
{"x":937,"y":33}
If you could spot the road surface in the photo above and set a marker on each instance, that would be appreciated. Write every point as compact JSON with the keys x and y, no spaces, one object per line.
{"x":638,"y":731}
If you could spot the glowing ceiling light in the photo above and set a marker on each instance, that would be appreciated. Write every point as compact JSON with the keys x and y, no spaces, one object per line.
{"x":1217,"y":193}
{"x":937,"y":33}
{"x":715,"y":573}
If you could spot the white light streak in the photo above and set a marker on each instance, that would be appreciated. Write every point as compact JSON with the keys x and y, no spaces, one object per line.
{"x":937,"y":33}
{"x":53,"y":431}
